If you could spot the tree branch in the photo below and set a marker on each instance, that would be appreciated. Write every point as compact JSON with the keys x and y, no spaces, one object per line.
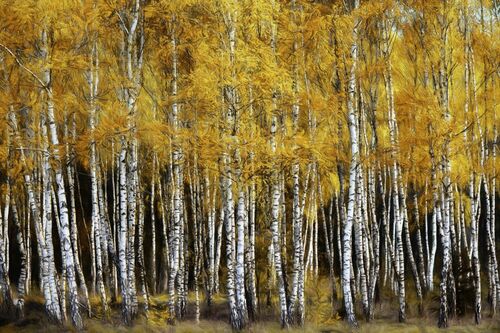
{"x":44,"y":86}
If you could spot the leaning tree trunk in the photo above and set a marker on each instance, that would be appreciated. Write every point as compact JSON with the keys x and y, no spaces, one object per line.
{"x":296,"y":311}
{"x":52,"y":305}
{"x":68,"y":255}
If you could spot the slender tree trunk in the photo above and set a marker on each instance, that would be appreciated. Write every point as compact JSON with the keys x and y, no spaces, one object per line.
{"x":68,"y":255}
{"x":210,"y":289}
{"x":93,"y":80}
{"x":175,"y":233}
{"x":445,"y":228}
{"x":353,"y":172}
{"x":50,"y":279}
{"x":250,"y":274}
{"x":236,"y":321}
{"x":241,"y":222}
{"x":21,"y":284}
{"x":51,"y":305}
{"x":275,"y":208}
{"x":122,"y":233}
{"x":7,"y":304}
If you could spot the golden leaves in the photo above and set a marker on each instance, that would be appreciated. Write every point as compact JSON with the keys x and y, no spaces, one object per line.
{"x":312,"y":47}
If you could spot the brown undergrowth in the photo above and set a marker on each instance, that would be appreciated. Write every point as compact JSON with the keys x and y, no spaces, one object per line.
{"x":319,"y":317}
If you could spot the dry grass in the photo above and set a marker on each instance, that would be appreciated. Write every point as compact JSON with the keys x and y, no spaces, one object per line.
{"x":209,"y":326}
{"x":319,"y":318}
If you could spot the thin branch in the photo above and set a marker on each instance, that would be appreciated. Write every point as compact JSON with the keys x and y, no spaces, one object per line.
{"x":44,"y":86}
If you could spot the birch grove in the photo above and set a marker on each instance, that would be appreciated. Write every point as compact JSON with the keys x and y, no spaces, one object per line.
{"x":186,"y":156}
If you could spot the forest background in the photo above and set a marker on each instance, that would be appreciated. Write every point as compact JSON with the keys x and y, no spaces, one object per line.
{"x":297,"y":162}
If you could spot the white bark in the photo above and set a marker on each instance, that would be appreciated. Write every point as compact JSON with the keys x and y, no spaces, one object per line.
{"x":230,"y":246}
{"x":7,"y":304}
{"x":241,"y":222}
{"x":122,"y":232}
{"x":21,"y":285}
{"x":210,"y":238}
{"x":68,"y":255}
{"x":175,"y":241}
{"x":445,"y":228}
{"x":275,"y":207}
{"x":50,"y":278}
{"x":93,"y":80}
{"x":152,"y":258}
{"x":399,"y":197}
{"x":52,"y":306}
{"x":353,"y":172}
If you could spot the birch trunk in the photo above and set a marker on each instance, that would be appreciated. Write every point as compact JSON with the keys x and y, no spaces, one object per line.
{"x":50,"y":279}
{"x":353,"y":172}
{"x":21,"y":284}
{"x":398,"y":192}
{"x":7,"y":303}
{"x":93,"y":80}
{"x":210,"y":240}
{"x":296,"y":311}
{"x":152,"y":257}
{"x":241,"y":222}
{"x":360,"y":247}
{"x":230,"y":248}
{"x":68,"y":255}
{"x":250,"y":273}
{"x":122,"y":233}
{"x":275,"y":207}
{"x":445,"y":229}
{"x":51,"y":305}
{"x":175,"y":233}
{"x":140,"y":254}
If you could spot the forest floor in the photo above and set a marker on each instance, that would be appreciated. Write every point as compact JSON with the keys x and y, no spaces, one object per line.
{"x":318,"y":317}
{"x":36,"y":321}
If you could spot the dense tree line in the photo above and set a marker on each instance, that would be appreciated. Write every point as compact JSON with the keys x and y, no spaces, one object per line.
{"x":247,"y":148}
